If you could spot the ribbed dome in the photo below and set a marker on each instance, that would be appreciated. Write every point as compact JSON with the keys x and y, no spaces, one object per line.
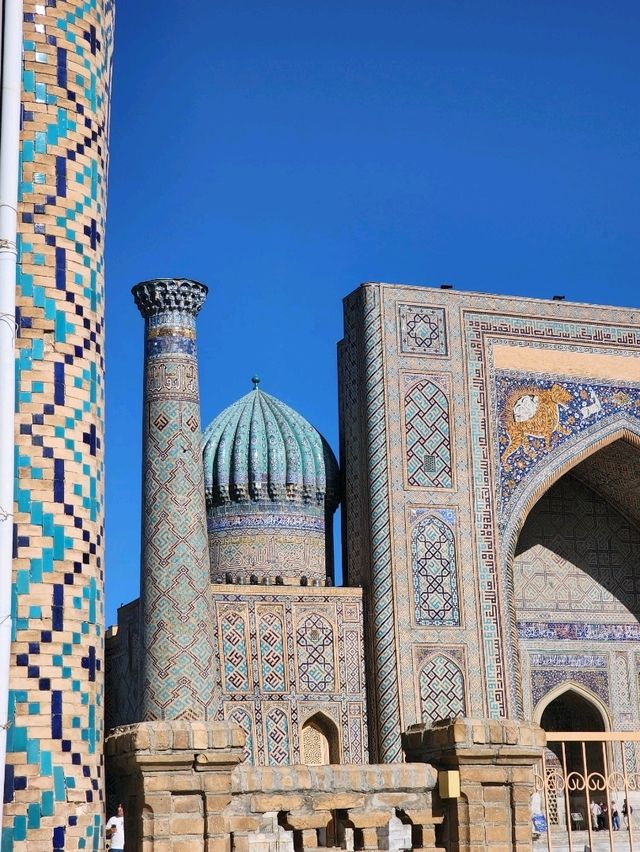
{"x":260,"y":449}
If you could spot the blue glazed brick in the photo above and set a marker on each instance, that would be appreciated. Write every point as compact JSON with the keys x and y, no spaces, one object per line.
{"x":7,"y":839}
{"x":45,"y":763}
{"x":19,"y":828}
{"x":33,"y":751}
{"x":33,"y":815}
{"x":8,"y":783}
{"x":58,"y":837}
{"x":47,"y":807}
{"x":59,"y":784}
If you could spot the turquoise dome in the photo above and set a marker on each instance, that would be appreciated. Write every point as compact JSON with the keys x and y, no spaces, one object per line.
{"x":261,"y":449}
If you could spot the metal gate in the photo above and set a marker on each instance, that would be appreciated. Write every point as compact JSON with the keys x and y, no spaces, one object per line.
{"x":582,"y":770}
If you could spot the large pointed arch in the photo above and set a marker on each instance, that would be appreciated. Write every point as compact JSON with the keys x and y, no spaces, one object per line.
{"x":561,"y":461}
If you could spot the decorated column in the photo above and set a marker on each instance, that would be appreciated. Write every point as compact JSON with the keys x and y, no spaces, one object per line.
{"x":178,"y":662}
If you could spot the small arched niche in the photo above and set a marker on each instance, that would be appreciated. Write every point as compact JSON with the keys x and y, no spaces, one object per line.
{"x":320,"y":741}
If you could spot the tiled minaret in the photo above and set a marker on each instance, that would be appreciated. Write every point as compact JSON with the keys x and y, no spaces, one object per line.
{"x":53,"y":783}
{"x":178,"y":668}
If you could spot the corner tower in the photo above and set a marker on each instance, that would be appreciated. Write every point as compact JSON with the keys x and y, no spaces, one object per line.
{"x":178,"y":662}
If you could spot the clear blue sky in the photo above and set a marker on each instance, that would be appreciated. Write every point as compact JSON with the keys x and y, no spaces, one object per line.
{"x":282,"y":153}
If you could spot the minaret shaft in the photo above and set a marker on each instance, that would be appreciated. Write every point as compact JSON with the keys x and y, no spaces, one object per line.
{"x":178,"y":669}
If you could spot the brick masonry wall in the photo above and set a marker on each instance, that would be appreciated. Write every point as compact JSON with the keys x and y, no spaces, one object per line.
{"x":54,"y":785}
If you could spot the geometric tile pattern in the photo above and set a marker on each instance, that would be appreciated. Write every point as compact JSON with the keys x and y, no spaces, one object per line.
{"x":384,"y":662}
{"x":178,"y":660}
{"x":271,"y":653}
{"x":383,"y":357}
{"x":53,"y":781}
{"x":422,"y":330}
{"x":441,"y":689}
{"x":435,"y":586}
{"x":314,"y":641}
{"x":277,"y":734}
{"x":315,"y":746}
{"x":353,"y":659}
{"x":311,"y":675}
{"x":427,"y":436}
{"x":243,"y":718}
{"x":622,"y":699}
{"x":234,"y":647}
{"x":245,"y":540}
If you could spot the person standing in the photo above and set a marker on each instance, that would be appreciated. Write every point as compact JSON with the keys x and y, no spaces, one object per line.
{"x":615,"y":817}
{"x":595,"y":813}
{"x":603,"y":815}
{"x":115,"y":830}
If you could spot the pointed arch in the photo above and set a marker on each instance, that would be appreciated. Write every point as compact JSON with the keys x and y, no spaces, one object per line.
{"x":561,"y":461}
{"x":320,"y":740}
{"x":555,"y":465}
{"x":564,"y":689}
{"x":442,"y":694}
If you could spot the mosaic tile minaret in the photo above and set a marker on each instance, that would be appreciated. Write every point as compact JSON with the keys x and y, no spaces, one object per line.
{"x":178,"y":663}
{"x":53,"y":784}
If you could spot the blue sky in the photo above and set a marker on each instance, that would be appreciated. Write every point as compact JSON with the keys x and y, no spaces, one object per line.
{"x":283,"y":153}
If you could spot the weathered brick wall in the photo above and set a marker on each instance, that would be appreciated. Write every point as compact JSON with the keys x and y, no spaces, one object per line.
{"x":186,"y":790}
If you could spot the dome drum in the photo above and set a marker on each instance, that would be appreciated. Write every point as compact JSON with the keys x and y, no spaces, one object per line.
{"x":287,"y":547}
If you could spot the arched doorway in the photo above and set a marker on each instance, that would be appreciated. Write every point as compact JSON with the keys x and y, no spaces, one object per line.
{"x":320,"y":743}
{"x":579,"y":765}
{"x":571,"y":710}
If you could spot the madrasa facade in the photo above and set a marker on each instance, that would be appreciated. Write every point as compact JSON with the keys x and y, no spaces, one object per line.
{"x":488,"y":479}
{"x":488,"y":475}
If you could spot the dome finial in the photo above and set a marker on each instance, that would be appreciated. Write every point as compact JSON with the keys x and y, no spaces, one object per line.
{"x":256,"y":382}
